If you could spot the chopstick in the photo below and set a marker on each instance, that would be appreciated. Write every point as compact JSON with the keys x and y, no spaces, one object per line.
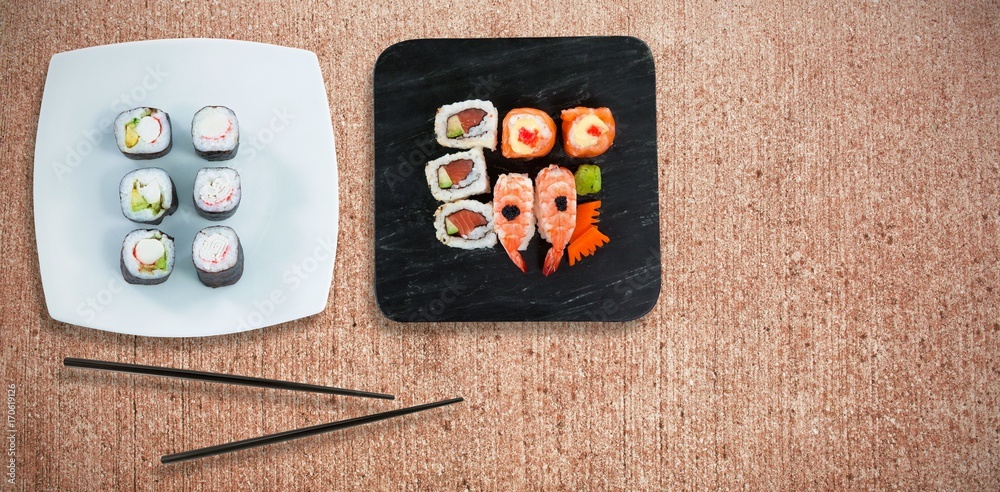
{"x":216,"y":377}
{"x":299,"y":433}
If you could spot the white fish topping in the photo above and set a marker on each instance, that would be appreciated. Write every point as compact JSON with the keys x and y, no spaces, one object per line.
{"x":148,"y":251}
{"x":214,"y":248}
{"x":148,"y":128}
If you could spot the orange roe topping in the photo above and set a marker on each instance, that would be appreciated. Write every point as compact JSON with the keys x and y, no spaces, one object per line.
{"x":593,"y":130}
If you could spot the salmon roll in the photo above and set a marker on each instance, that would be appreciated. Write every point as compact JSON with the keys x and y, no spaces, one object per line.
{"x":143,"y":133}
{"x":218,"y":256}
{"x":467,"y":124}
{"x":587,"y":132}
{"x":147,"y":195}
{"x":527,"y":133}
{"x":459,"y":175}
{"x":217,"y":192}
{"x":147,"y":257}
{"x":465,"y":224}
{"x":215,"y":133}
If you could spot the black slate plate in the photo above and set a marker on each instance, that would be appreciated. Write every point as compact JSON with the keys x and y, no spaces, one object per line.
{"x":419,"y":279}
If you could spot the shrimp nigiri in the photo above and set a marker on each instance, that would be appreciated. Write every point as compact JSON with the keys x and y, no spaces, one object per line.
{"x":513,"y":215}
{"x":555,"y":211}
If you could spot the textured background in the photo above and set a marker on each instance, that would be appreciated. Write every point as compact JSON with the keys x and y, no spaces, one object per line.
{"x":829,"y":316}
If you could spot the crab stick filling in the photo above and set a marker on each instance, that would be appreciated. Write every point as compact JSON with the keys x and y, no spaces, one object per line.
{"x":214,"y":249}
{"x":150,"y":254}
{"x":216,"y":191}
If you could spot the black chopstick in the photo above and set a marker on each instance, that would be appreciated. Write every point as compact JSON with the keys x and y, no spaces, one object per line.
{"x":216,"y":377}
{"x":299,"y":433}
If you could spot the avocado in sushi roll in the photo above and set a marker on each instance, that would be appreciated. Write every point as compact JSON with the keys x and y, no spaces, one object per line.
{"x":147,"y":257}
{"x":143,"y":133}
{"x":147,"y":195}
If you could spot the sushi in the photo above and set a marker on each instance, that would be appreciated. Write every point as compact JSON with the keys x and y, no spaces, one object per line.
{"x":467,"y":124}
{"x":147,"y":195}
{"x":147,"y":257}
{"x":555,"y":211}
{"x":465,"y":224}
{"x":218,"y":256}
{"x":587,"y":132}
{"x":459,"y":175}
{"x":513,"y":215}
{"x":527,"y":133}
{"x":143,"y":133}
{"x":217,"y":192}
{"x":215,"y":133}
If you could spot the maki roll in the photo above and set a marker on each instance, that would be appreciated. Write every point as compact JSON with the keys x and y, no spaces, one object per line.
{"x":143,"y":133}
{"x":147,"y":195}
{"x":467,"y":124}
{"x":217,"y":256}
{"x":215,"y":133}
{"x":147,"y":257}
{"x":459,"y":175}
{"x":217,"y":192}
{"x":527,"y":133}
{"x":587,"y":132}
{"x":465,"y":224}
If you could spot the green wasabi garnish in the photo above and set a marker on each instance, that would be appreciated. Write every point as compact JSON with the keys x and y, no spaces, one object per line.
{"x":588,"y":179}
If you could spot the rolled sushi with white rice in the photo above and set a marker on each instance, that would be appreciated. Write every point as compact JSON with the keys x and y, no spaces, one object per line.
{"x":147,"y":195}
{"x":465,"y":224}
{"x":217,"y":192}
{"x":459,"y":175}
{"x":147,"y":257}
{"x":218,"y":256}
{"x":143,"y":133}
{"x":467,"y":124}
{"x":215,"y":133}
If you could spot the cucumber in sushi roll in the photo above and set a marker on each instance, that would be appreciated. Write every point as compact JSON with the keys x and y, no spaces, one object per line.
{"x":215,"y":133}
{"x":147,"y":257}
{"x":218,"y":256}
{"x":217,"y":192}
{"x":147,"y":195}
{"x":143,"y":133}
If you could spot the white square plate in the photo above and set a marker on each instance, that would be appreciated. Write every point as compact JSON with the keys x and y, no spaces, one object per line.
{"x":288,"y":216}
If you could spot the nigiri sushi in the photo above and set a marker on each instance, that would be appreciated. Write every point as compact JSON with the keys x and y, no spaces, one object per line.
{"x":555,"y":211}
{"x":513,"y":215}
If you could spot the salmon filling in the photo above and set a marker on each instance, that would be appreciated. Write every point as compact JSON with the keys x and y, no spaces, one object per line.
{"x":465,"y":223}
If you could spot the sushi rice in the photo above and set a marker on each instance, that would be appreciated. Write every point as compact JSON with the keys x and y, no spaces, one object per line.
{"x":143,"y":133}
{"x":147,"y":195}
{"x":480,"y":237}
{"x":475,"y":183}
{"x":483,"y":134}
{"x":147,"y":257}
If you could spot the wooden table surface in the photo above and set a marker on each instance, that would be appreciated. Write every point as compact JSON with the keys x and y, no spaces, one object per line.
{"x":829,"y":313}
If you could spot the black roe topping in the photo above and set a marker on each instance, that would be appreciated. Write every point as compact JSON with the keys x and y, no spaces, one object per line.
{"x":561,"y":203}
{"x":510,"y":212}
